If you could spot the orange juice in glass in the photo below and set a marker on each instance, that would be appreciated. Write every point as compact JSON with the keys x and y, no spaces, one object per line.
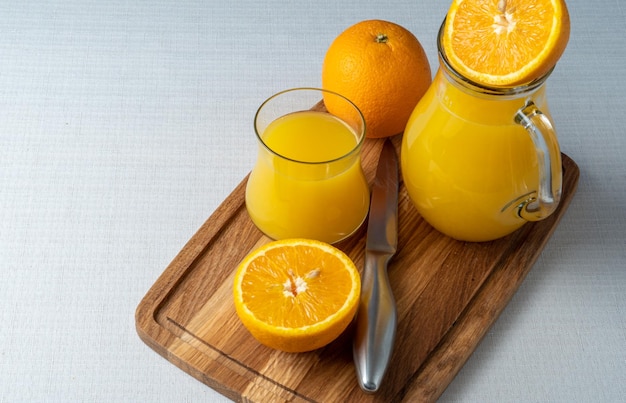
{"x":307,"y":181}
{"x":478,"y":162}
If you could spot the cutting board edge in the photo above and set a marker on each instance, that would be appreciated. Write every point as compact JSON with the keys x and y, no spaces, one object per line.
{"x":147,"y":326}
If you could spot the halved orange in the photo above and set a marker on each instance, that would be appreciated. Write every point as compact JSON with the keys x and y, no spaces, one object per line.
{"x":296,"y":295}
{"x":505,"y":42}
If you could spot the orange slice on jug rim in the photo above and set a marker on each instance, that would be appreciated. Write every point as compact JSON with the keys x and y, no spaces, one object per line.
{"x":505,"y":42}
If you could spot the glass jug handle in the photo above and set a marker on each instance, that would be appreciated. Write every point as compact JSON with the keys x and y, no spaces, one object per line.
{"x":543,"y":135}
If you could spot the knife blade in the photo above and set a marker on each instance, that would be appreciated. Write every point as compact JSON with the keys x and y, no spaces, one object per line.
{"x":376,"y":318}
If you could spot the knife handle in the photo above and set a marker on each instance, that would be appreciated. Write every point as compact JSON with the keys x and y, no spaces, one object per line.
{"x":376,"y":323}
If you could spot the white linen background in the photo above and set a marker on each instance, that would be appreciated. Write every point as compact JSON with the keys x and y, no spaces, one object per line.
{"x":124,"y":124}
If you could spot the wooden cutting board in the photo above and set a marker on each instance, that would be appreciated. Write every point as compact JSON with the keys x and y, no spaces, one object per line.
{"x":448,"y":294}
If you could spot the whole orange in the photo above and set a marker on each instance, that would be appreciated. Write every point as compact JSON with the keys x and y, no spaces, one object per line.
{"x":383,"y":69}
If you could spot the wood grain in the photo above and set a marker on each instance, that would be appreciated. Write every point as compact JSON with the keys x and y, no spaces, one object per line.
{"x":448,"y":295}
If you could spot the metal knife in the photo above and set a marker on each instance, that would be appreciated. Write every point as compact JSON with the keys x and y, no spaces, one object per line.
{"x":377,"y":317}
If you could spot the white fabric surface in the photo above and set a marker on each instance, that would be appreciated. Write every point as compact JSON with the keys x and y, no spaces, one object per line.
{"x":123,"y":125}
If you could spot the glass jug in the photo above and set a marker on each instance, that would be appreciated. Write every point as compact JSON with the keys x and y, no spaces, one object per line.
{"x":478,"y":162}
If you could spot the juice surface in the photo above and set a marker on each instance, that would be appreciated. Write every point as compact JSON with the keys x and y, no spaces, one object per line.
{"x":318,"y":189}
{"x":466,"y":164}
{"x":309,"y":137}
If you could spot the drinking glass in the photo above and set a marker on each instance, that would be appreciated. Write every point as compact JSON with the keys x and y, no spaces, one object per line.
{"x":307,"y":181}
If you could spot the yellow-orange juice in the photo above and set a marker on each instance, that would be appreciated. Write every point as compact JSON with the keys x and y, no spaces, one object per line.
{"x":308,"y":181}
{"x":466,"y":163}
